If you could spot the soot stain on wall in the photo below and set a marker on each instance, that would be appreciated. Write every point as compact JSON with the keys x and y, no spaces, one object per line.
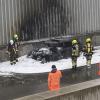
{"x":49,"y":19}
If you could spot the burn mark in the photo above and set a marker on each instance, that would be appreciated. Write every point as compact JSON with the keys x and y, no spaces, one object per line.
{"x":49,"y":20}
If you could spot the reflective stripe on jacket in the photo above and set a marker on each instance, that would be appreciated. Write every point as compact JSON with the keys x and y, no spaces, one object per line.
{"x":89,"y":48}
{"x":75,"y":50}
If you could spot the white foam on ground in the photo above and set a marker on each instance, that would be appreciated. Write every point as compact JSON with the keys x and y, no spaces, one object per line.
{"x":28,"y":65}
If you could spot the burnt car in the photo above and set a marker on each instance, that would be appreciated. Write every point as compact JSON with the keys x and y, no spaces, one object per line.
{"x":46,"y":54}
{"x":55,"y":49}
{"x":43,"y":55}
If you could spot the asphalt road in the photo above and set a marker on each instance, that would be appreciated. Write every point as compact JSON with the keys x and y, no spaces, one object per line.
{"x":25,"y":84}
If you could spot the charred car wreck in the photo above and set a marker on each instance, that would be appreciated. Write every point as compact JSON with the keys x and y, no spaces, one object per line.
{"x":55,"y":49}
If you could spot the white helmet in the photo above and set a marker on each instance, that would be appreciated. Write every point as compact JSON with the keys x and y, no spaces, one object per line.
{"x":11,"y":42}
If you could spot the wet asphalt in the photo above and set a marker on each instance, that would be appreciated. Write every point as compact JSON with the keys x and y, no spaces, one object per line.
{"x":19,"y":85}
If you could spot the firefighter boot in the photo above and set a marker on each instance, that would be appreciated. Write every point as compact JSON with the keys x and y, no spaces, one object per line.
{"x":73,"y":65}
{"x":14,"y":62}
{"x":89,"y":63}
{"x":11,"y":62}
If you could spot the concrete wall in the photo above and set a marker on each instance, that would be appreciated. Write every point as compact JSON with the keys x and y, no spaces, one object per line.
{"x":89,"y":90}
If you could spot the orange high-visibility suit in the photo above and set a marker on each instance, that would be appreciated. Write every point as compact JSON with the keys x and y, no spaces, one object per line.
{"x":54,"y":80}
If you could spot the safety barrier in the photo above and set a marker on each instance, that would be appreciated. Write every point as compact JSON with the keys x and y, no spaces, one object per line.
{"x":88,"y":90}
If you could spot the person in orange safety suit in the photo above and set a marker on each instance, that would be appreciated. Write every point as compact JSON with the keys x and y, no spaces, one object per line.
{"x":54,"y":79}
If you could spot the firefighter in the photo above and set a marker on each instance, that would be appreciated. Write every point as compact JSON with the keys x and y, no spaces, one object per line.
{"x":75,"y":53}
{"x":16,"y":43}
{"x":54,"y":79}
{"x":12,"y":52}
{"x":88,"y":51}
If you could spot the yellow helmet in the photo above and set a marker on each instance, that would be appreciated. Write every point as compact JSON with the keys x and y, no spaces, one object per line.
{"x":88,"y":40}
{"x":16,"y":36}
{"x":74,"y":41}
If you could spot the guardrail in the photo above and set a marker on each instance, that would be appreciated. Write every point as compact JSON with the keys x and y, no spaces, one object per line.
{"x":88,"y":90}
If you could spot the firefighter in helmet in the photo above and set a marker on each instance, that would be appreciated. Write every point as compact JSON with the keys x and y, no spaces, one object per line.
{"x":75,"y":53}
{"x":16,"y":43}
{"x":12,"y":52}
{"x":88,"y":51}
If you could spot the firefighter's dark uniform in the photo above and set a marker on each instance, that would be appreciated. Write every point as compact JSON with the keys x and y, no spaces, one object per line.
{"x":75,"y":54}
{"x":88,"y":51}
{"x":16,"y":43}
{"x":12,"y":53}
